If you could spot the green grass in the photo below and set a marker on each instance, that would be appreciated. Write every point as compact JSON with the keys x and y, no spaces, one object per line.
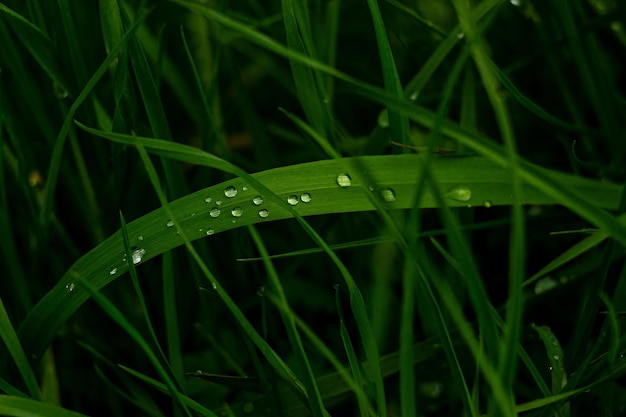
{"x":316,"y":208}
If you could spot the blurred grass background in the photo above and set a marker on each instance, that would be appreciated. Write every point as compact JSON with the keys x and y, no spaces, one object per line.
{"x":177,"y":75}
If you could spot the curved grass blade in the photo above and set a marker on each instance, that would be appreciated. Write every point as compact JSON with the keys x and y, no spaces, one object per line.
{"x":316,"y":181}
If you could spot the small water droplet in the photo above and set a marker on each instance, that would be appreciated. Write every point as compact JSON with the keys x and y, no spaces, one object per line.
{"x":209,"y":232}
{"x":137,"y":254}
{"x":113,"y":271}
{"x":218,"y":202}
{"x":200,"y":230}
{"x":487,"y":204}
{"x":244,"y":188}
{"x":60,"y":91}
{"x":214,"y":285}
{"x":460,"y":35}
{"x":413,"y":96}
{"x":70,"y":286}
{"x":388,"y":194}
{"x":305,"y":197}
{"x":140,"y":238}
{"x":215,"y":212}
{"x":170,"y":223}
{"x":208,"y":200}
{"x":555,"y":357}
{"x":264,"y":213}
{"x":383,"y":119}
{"x":257,"y":201}
{"x":344,"y":180}
{"x":336,"y":286}
{"x":230,"y":191}
{"x":516,"y":2}
{"x":292,"y":200}
{"x":459,"y":193}
{"x":236,"y":211}
{"x":371,"y":187}
{"x":192,"y":214}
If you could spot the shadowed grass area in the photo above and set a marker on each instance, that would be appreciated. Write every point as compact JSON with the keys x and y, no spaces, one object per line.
{"x":316,"y":208}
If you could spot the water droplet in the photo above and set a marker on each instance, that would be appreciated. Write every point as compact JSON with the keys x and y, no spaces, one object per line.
{"x":236,"y":212}
{"x":192,"y":214}
{"x":230,"y":191}
{"x":59,"y":90}
{"x":487,"y":204}
{"x":460,"y":35}
{"x":208,"y":200}
{"x":413,"y":96}
{"x":70,"y":286}
{"x":305,"y":198}
{"x":140,"y":238}
{"x":137,"y":254}
{"x":215,"y":212}
{"x":244,"y":188}
{"x":218,"y":202}
{"x":292,"y":200}
{"x":388,"y":194}
{"x":336,"y":286}
{"x":113,"y":271}
{"x":459,"y":193}
{"x":383,"y":119}
{"x":516,"y":2}
{"x":209,"y":232}
{"x":545,"y":284}
{"x":170,"y":223}
{"x":555,"y":357}
{"x":214,"y":285}
{"x":264,"y":213}
{"x":371,"y":187}
{"x":344,"y":180}
{"x":257,"y":201}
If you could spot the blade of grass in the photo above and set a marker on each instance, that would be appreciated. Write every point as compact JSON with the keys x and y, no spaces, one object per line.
{"x":26,"y":407}
{"x":10,"y":339}
{"x":398,"y":121}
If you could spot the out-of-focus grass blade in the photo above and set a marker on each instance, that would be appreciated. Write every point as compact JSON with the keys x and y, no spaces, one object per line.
{"x":398,"y":121}
{"x":111,"y":22}
{"x":26,"y":407}
{"x":309,"y":82}
{"x":9,"y":337}
{"x":42,"y":48}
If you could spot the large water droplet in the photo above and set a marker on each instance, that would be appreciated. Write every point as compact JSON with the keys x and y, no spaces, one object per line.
{"x":264,"y":213}
{"x":388,"y":194}
{"x":170,"y":223}
{"x":230,"y":191}
{"x":257,"y":201}
{"x":305,"y":197}
{"x":344,"y":180}
{"x":292,"y":200}
{"x":209,"y":232}
{"x":236,"y":212}
{"x":70,"y":286}
{"x":137,"y":254}
{"x":215,"y":212}
{"x":208,"y":200}
{"x":459,"y":193}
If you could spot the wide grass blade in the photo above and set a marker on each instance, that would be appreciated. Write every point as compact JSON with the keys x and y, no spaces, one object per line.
{"x":25,"y":407}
